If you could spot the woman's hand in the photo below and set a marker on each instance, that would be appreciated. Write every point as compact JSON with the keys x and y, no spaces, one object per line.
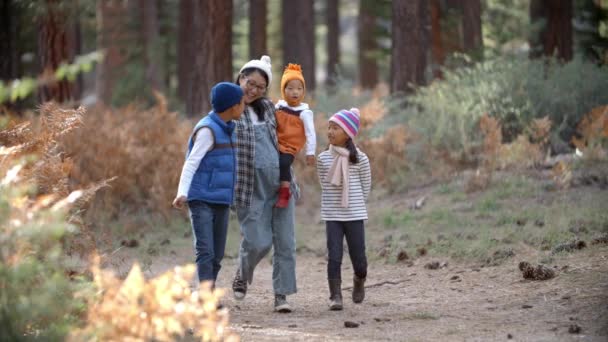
{"x":310,"y":160}
{"x":179,"y":202}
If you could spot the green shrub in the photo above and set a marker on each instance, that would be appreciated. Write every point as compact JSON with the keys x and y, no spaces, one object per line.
{"x":514,"y":90}
{"x":37,"y":296}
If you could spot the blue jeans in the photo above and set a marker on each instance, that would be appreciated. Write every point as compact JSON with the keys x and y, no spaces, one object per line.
{"x":354,"y":232}
{"x":210,"y":228}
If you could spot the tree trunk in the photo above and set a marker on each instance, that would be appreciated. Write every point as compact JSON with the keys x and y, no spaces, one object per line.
{"x":150,"y":35}
{"x":185,"y":48}
{"x":437,"y":49}
{"x":212,"y":52}
{"x":366,"y":23}
{"x":9,"y":49}
{"x":554,"y":18}
{"x":56,"y":45}
{"x":112,"y":39}
{"x":333,"y":41}
{"x":257,"y":28}
{"x":298,"y":26}
{"x":471,"y":27}
{"x":409,"y":44}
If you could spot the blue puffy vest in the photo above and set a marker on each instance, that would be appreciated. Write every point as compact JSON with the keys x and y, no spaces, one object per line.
{"x":214,"y":179}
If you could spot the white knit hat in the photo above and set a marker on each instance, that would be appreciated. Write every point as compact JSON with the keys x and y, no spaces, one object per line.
{"x":262,"y":64}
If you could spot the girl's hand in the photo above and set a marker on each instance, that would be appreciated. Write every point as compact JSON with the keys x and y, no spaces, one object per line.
{"x":310,"y":160}
{"x":179,"y":202}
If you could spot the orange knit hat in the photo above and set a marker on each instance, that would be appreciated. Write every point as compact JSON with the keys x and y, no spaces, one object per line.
{"x":292,"y":72}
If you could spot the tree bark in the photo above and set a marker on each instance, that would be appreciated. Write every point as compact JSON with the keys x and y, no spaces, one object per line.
{"x":113,"y":39}
{"x":212,"y":52}
{"x":150,"y":35}
{"x":257,"y":28}
{"x":437,"y":49}
{"x":471,"y":27}
{"x":554,"y":18}
{"x":56,"y":45}
{"x":185,"y":48}
{"x":9,"y":47}
{"x":298,"y":26}
{"x":333,"y":41}
{"x":409,"y":45}
{"x":366,"y":23}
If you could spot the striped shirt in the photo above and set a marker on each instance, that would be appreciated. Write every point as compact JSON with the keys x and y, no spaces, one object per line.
{"x":360,"y":183}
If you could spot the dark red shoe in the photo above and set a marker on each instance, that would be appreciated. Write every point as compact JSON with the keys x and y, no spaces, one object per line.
{"x":284,"y":195}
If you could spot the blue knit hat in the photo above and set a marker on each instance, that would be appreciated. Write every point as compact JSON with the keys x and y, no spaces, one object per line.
{"x":225,"y":95}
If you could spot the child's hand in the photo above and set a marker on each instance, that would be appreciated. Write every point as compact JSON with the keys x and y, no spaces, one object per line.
{"x":310,"y":160}
{"x":179,"y":202}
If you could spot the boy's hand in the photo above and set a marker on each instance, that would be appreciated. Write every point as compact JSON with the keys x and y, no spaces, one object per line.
{"x":179,"y":202}
{"x":310,"y":160}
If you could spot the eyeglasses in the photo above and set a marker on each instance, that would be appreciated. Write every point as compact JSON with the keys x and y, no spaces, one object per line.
{"x":252,"y":85}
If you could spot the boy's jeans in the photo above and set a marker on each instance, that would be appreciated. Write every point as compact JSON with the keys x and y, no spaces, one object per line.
{"x":355,"y":239}
{"x":210,"y":228}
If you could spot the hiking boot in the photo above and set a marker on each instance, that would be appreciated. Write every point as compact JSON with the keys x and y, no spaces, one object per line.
{"x":280,"y":304}
{"x":358,"y":289}
{"x":239,"y":286}
{"x":335,"y":294}
{"x":284,"y":195}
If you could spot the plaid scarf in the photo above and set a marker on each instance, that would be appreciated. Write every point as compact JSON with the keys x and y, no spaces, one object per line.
{"x":245,"y":154}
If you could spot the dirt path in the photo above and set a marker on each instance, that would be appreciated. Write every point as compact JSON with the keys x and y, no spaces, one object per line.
{"x":456,"y":303}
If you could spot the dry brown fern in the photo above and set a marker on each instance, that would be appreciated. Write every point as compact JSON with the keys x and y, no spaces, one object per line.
{"x":159,"y":309}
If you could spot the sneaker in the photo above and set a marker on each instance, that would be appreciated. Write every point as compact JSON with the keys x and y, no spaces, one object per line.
{"x":239,"y":286}
{"x":280,"y":304}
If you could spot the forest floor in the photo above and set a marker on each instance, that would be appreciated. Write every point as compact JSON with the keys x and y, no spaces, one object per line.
{"x":477,"y":293}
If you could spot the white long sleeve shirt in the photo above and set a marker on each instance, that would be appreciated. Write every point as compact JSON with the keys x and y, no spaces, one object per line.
{"x":307,"y":118}
{"x":203,"y":141}
{"x":360,"y":183}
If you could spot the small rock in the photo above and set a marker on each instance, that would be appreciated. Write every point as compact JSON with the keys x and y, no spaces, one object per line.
{"x":455,"y":277}
{"x":382,"y":319}
{"x":539,"y":223}
{"x":292,"y":326}
{"x":349,"y":324}
{"x":434,"y":265}
{"x":419,"y":203}
{"x":132,"y":243}
{"x":509,"y":336}
{"x":526,"y":306}
{"x":574,"y":329}
{"x":566,"y":297}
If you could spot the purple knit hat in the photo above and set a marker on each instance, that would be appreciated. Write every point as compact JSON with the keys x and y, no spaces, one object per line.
{"x":348,"y":120}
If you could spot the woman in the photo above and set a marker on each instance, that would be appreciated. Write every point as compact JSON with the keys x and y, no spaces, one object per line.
{"x":262,"y":225}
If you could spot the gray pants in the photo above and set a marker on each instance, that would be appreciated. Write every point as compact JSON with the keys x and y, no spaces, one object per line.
{"x":263,"y":226}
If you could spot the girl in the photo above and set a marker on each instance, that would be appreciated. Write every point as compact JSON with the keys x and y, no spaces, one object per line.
{"x":345,"y":177}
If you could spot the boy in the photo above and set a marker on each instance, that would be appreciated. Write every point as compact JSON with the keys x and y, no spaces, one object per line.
{"x":208,"y":176}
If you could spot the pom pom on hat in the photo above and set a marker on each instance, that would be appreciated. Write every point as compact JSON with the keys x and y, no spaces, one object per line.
{"x":225,"y":95}
{"x":262,"y":64}
{"x":348,"y":120}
